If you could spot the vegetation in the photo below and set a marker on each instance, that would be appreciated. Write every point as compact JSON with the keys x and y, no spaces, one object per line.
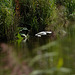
{"x":70,"y":5}
{"x":7,"y":19}
{"x":40,"y":57}
{"x":37,"y":15}
{"x":50,"y":55}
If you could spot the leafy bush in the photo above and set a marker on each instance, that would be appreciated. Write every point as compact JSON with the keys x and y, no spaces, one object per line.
{"x":70,"y":5}
{"x":6,"y":19}
{"x":37,"y":14}
{"x":61,"y":2}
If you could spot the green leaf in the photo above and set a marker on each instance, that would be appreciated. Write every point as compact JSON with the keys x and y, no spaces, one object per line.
{"x":60,"y":63}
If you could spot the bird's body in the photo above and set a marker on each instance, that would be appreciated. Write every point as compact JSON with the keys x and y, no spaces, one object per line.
{"x":43,"y":33}
{"x":37,"y":35}
{"x":48,"y":32}
{"x":23,"y":35}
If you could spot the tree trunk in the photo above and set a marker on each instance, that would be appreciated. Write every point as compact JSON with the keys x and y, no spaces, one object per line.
{"x":17,"y":9}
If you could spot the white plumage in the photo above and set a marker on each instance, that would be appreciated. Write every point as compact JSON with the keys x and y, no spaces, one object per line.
{"x":48,"y":32}
{"x":23,"y":35}
{"x":37,"y":35}
{"x":43,"y":33}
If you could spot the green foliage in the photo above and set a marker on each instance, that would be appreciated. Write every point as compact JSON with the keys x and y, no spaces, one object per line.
{"x":6,"y":18}
{"x":19,"y":39}
{"x":60,"y":63}
{"x":37,"y":14}
{"x":19,"y":36}
{"x":51,"y":61}
{"x":70,"y":5}
{"x":54,"y":58}
{"x":61,"y":2}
